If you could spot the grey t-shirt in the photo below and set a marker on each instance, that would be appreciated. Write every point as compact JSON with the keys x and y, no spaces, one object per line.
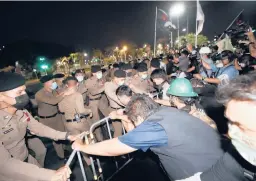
{"x":192,"y":147}
{"x":183,"y":63}
{"x":185,"y":145}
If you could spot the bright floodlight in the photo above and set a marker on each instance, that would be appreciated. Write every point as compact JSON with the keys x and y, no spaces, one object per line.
{"x":85,"y":54}
{"x":44,"y":67}
{"x":184,"y":29}
{"x":145,"y":45}
{"x":125,"y":48}
{"x":177,"y":9}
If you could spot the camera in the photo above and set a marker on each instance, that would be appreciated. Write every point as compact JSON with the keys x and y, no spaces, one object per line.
{"x":237,"y":33}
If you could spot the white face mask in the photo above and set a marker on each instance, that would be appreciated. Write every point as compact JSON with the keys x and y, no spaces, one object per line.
{"x":80,"y":78}
{"x":54,"y":86}
{"x":99,"y":75}
{"x":244,"y":144}
{"x":121,"y":83}
{"x":144,"y":76}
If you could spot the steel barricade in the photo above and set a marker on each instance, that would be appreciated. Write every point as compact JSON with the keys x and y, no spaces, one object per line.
{"x":96,"y":174}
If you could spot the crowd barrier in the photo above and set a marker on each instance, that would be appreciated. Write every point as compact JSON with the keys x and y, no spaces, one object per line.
{"x":89,"y":138}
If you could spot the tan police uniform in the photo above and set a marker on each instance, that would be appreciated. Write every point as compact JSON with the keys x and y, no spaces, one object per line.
{"x":49,"y":114}
{"x":37,"y":146}
{"x":71,"y":105}
{"x":115,"y":104}
{"x":95,"y":89}
{"x":16,"y":163}
{"x":82,"y":89}
{"x":141,"y":86}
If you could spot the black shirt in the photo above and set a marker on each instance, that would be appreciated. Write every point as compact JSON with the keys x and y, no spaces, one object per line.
{"x":230,"y":167}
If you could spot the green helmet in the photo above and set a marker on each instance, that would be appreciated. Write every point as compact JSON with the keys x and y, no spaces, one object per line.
{"x":181,"y":87}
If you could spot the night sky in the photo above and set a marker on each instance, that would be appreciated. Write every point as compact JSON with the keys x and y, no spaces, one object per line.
{"x":100,"y":24}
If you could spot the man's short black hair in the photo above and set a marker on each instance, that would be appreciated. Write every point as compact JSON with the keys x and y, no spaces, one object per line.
{"x":227,"y":54}
{"x":115,"y":65}
{"x":158,"y":73}
{"x":140,"y":105}
{"x":65,"y":81}
{"x":142,"y":67}
{"x":124,"y":90}
{"x":242,"y":88}
{"x":185,"y":52}
{"x":155,"y":62}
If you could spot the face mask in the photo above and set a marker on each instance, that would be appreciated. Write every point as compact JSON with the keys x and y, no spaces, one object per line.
{"x":21,"y":101}
{"x":99,"y":75}
{"x":121,"y":83}
{"x":244,"y":144}
{"x":80,"y":78}
{"x":54,"y":86}
{"x":144,"y":76}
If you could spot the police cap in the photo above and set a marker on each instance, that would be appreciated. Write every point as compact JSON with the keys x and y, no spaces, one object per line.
{"x":9,"y":81}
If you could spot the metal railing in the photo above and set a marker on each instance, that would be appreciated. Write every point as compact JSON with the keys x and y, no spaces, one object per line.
{"x":97,"y":175}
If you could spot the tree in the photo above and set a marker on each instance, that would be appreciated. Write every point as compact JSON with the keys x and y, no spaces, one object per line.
{"x":190,"y":38}
{"x":97,"y":53}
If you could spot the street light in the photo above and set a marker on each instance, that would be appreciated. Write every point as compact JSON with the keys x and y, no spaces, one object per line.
{"x":85,"y":54}
{"x":44,"y":67}
{"x":125,"y":49}
{"x":177,"y":10}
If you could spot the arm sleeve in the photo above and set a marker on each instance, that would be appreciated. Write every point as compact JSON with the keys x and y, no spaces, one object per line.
{"x":18,"y":170}
{"x":96,"y":90}
{"x":146,"y":135}
{"x":112,"y":94}
{"x":45,"y":131}
{"x":80,"y":105}
{"x":53,"y":100}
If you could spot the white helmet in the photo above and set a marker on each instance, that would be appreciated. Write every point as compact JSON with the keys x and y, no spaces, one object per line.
{"x":205,"y":50}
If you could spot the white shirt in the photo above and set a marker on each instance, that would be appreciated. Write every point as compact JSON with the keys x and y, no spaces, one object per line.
{"x":165,"y":89}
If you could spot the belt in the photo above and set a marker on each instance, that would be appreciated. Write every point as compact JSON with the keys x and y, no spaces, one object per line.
{"x":45,"y":117}
{"x":95,"y":99}
{"x":75,"y":120}
{"x":115,"y":108}
{"x":61,"y":113}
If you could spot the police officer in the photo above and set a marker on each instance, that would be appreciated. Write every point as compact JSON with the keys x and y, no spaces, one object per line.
{"x":141,"y":83}
{"x":74,"y":111}
{"x":79,"y":74}
{"x":37,"y":146}
{"x":15,"y":161}
{"x":95,"y":86}
{"x":59,"y":80}
{"x":48,"y":99}
{"x":115,"y":104}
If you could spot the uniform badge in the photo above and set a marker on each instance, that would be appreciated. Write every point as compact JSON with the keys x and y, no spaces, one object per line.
{"x":27,"y":116}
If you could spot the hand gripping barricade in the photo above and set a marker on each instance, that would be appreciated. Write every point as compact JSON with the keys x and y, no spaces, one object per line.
{"x":97,"y":175}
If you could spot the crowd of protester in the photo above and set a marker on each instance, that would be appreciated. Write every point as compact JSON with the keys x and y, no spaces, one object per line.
{"x":195,"y":109}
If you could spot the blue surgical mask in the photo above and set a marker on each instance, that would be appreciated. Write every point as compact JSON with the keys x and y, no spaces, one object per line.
{"x":54,"y":86}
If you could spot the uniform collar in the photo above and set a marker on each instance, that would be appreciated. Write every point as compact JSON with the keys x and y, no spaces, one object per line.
{"x":6,"y":117}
